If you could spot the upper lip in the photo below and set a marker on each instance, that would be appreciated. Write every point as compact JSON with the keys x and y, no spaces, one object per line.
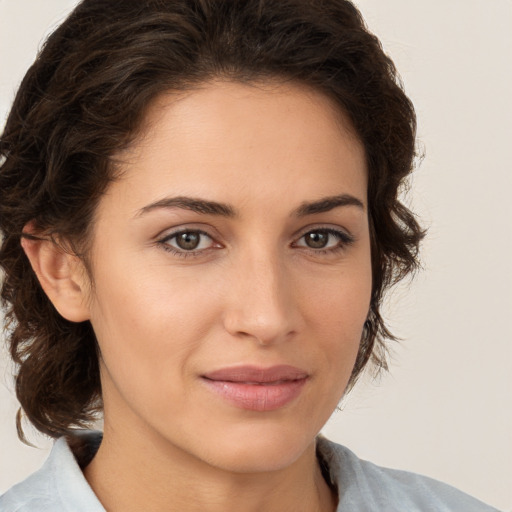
{"x":257,"y":374}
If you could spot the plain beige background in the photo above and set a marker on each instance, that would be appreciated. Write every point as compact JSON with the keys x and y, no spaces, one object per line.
{"x":445,"y":409}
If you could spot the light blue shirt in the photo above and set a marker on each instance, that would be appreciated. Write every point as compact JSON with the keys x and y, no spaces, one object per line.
{"x":60,"y":486}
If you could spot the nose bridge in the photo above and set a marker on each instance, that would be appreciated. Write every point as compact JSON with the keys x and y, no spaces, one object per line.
{"x":261,"y":304}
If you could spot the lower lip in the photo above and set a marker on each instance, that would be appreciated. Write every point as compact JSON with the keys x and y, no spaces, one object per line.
{"x":257,"y":397}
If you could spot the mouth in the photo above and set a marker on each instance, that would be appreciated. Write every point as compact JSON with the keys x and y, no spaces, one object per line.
{"x":257,"y":389}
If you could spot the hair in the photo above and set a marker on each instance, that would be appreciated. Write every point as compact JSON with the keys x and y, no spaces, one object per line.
{"x":84,"y":99}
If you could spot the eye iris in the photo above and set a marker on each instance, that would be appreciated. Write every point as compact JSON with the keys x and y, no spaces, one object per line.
{"x":188,"y":241}
{"x":317,"y":239}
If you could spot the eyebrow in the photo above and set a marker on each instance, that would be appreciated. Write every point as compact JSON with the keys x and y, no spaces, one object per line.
{"x":225,"y":210}
{"x":328,"y":203}
{"x":192,"y":204}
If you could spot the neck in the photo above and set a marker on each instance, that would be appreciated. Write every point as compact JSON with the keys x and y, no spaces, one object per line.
{"x":133,"y":472}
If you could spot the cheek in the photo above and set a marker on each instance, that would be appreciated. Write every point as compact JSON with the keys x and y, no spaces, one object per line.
{"x":335,"y":311}
{"x":155,"y":319}
{"x":339,"y":301}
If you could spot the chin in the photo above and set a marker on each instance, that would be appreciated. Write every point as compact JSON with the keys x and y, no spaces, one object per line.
{"x":257,"y":449}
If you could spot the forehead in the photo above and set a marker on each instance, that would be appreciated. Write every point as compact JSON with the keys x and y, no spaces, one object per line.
{"x":221,"y":95}
{"x":230,"y":142}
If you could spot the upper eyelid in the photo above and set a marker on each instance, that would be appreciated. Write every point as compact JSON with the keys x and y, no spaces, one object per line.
{"x":300,"y":232}
{"x":173,"y":232}
{"x":332,"y":231}
{"x":344,"y":238}
{"x":323,"y":227}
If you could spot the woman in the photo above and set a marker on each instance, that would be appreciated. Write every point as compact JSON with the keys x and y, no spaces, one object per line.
{"x":206,"y":198}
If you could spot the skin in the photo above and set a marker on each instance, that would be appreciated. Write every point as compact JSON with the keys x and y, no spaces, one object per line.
{"x":253,"y":292}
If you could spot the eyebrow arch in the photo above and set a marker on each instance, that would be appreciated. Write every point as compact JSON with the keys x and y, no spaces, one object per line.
{"x":328,"y":203}
{"x":192,"y":204}
{"x":225,"y":210}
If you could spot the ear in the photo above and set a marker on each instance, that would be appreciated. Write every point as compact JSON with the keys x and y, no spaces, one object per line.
{"x":61,"y":275}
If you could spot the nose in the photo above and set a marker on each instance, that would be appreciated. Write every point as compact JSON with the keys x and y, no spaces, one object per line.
{"x":261,"y":302}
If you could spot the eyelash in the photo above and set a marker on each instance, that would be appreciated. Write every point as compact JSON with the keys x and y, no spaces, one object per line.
{"x":164,"y":242}
{"x":344,"y":240}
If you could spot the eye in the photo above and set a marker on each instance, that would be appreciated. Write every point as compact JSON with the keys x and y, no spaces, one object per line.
{"x":324,"y":240}
{"x":187,"y":241}
{"x":317,"y":239}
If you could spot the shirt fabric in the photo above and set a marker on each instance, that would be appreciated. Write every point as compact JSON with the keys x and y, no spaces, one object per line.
{"x":60,"y":486}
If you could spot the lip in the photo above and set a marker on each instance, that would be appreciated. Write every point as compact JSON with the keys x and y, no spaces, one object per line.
{"x":257,"y":389}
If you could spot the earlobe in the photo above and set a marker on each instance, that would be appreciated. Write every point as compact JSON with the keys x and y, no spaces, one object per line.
{"x":60,"y":274}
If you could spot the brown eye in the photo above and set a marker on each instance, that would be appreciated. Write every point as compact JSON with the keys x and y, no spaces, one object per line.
{"x":325,"y":240}
{"x":188,"y":241}
{"x":317,"y":239}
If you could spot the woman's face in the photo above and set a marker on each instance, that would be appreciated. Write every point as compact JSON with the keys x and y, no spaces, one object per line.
{"x":232,"y":277}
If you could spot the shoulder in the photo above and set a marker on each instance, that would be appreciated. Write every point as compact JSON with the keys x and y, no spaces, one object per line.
{"x":28,"y":496}
{"x":58,"y":486}
{"x":37,"y":492}
{"x":366,"y":487}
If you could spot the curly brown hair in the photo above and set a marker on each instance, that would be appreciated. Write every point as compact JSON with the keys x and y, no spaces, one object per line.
{"x":84,"y":99}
